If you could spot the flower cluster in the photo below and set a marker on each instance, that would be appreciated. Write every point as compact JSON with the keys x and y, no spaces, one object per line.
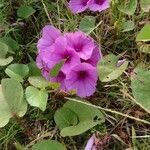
{"x":80,"y":55}
{"x":78,"y":6}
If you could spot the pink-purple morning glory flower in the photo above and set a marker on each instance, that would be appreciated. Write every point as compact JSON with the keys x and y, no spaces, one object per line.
{"x":95,"y":57}
{"x":49,"y":35}
{"x":80,"y":55}
{"x":99,"y":5}
{"x":83,"y":79}
{"x":81,"y":43}
{"x":78,"y":6}
{"x":63,"y":52}
{"x":91,"y":143}
{"x":45,"y":70}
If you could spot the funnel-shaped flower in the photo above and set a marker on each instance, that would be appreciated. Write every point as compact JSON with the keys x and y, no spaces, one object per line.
{"x":99,"y":5}
{"x":82,"y":78}
{"x":81,"y":43}
{"x":49,"y":35}
{"x":43,"y":67}
{"x":45,"y":70}
{"x":61,"y":52}
{"x":78,"y":6}
{"x":95,"y":57}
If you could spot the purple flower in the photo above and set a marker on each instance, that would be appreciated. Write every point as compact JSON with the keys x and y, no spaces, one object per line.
{"x":78,"y":6}
{"x":95,"y":57}
{"x":81,"y":43}
{"x":99,"y":5}
{"x":43,"y":67}
{"x":91,"y":143}
{"x":83,"y":79}
{"x":61,"y":79}
{"x":60,"y":52}
{"x":49,"y":35}
{"x":79,"y":54}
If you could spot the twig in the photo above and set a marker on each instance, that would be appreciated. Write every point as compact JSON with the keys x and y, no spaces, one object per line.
{"x":109,"y":110}
{"x":46,"y":11}
{"x":48,"y":134}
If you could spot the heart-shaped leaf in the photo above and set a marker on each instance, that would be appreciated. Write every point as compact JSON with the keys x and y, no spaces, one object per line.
{"x":13,"y":46}
{"x":25,"y":11}
{"x":33,"y":69}
{"x":109,"y":68}
{"x":49,"y":145}
{"x":11,"y":100}
{"x":40,"y":82}
{"x":17,"y":71}
{"x":3,"y":50}
{"x":65,"y":117}
{"x":144,"y":34}
{"x":127,"y":6}
{"x":88,"y":117}
{"x":87,"y":24}
{"x":36,"y":97}
{"x":128,"y":26}
{"x":6,"y":61}
{"x":140,"y":83}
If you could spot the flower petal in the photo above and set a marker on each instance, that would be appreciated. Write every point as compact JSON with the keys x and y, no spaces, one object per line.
{"x":49,"y":35}
{"x":95,"y":57}
{"x":99,"y":5}
{"x":81,"y":43}
{"x":84,"y":85}
{"x":78,"y":6}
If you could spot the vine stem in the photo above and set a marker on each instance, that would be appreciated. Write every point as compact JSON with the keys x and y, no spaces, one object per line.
{"x":109,"y":110}
{"x":46,"y":11}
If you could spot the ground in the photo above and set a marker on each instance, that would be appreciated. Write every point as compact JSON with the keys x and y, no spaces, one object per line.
{"x":116,"y":95}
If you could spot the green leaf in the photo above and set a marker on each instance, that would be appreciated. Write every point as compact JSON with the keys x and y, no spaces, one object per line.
{"x":6,"y":61}
{"x":33,"y":69}
{"x":108,"y":68}
{"x":65,"y":117}
{"x":11,"y":101}
{"x":128,"y":26}
{"x":127,"y":6}
{"x":87,"y":24}
{"x":88,"y":117}
{"x":36,"y":97}
{"x":17,"y":71}
{"x":13,"y":46}
{"x":40,"y":82}
{"x":144,"y":34}
{"x":140,"y":83}
{"x":49,"y":145}
{"x":55,"y":70}
{"x":3,"y":50}
{"x":145,"y":5}
{"x":25,"y":11}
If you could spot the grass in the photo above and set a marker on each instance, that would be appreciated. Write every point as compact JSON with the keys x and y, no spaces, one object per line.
{"x":115,"y":95}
